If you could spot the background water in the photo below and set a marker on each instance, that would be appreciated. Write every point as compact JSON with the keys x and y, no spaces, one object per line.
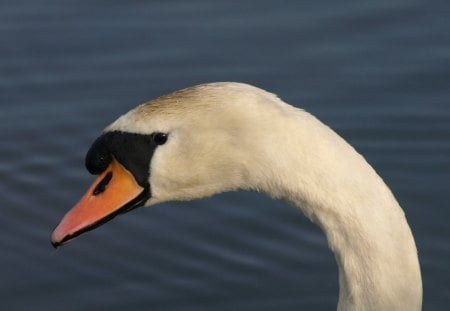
{"x":378,"y":72}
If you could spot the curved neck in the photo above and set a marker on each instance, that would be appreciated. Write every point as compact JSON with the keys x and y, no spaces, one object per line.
{"x":366,"y":228}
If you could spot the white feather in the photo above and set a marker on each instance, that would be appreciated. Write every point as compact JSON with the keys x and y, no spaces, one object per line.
{"x":227,"y":136}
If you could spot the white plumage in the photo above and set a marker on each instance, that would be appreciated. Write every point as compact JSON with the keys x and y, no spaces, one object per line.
{"x":228,"y":136}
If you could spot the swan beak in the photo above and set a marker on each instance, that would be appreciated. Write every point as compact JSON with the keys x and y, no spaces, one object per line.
{"x":113,"y":192}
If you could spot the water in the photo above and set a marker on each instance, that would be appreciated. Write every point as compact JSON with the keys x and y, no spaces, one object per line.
{"x":378,"y":72}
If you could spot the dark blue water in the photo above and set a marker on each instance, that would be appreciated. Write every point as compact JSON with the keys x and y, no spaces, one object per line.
{"x":378,"y":72}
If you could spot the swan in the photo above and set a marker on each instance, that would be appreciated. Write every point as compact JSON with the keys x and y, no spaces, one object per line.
{"x":224,"y":136}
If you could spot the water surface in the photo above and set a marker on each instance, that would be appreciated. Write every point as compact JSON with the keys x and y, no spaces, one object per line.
{"x":378,"y":72}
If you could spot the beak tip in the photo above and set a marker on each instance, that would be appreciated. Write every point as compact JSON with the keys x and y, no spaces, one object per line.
{"x":56,"y":239}
{"x":55,"y":244}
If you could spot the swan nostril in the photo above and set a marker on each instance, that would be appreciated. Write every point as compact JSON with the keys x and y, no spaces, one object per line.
{"x":101,"y":187}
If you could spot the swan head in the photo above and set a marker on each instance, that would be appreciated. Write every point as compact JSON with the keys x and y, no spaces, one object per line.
{"x":189,"y":144}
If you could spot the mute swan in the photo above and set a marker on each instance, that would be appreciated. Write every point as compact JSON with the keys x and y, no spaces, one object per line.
{"x":219,"y":137}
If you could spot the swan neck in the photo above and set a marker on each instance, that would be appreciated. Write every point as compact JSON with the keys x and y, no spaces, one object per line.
{"x":365,"y":227}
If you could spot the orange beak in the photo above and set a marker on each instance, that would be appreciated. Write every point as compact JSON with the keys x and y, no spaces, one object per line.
{"x":114,"y":191}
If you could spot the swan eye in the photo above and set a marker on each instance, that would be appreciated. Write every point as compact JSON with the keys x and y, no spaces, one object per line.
{"x":159,"y":138}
